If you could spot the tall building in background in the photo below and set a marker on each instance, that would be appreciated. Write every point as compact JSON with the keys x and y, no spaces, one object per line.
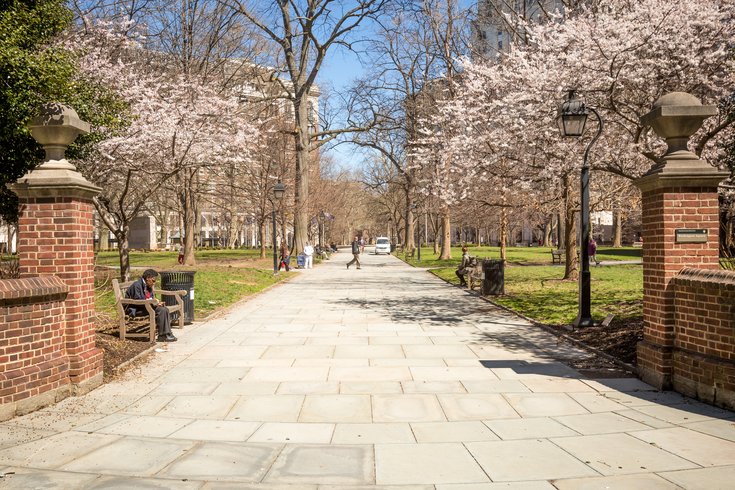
{"x":493,"y":32}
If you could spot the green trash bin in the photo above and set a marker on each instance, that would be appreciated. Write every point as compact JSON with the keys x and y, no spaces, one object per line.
{"x":493,"y":281}
{"x":176,"y":281}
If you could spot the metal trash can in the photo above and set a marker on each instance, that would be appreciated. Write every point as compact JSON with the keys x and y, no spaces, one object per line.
{"x":175,"y":281}
{"x":493,"y":272}
{"x":392,"y":247}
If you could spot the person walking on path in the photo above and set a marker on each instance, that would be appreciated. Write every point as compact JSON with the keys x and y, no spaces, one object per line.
{"x":592,"y":251}
{"x":355,"y":253}
{"x":309,"y":256}
{"x":143,"y":289}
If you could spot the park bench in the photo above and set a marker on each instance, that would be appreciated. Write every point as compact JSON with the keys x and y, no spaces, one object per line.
{"x":557,"y":256}
{"x":473,"y":273}
{"x":476,"y":274}
{"x":410,"y":255}
{"x":143,"y":326}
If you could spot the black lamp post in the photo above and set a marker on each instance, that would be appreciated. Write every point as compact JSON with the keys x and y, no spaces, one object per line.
{"x":278,"y":190}
{"x":571,"y":119}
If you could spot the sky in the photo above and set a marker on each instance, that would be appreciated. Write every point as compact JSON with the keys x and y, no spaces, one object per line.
{"x":341,"y":67}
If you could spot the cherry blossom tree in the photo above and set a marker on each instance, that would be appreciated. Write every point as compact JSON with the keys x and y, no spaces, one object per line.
{"x":176,"y":124}
{"x":622,"y":56}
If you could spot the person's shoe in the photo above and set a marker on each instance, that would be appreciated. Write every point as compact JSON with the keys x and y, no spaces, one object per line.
{"x":167,"y":338}
{"x":358,"y":268}
{"x":348,"y":266}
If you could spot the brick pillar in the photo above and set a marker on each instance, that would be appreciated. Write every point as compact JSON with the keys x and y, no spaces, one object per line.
{"x":680,"y":226}
{"x":55,"y":236}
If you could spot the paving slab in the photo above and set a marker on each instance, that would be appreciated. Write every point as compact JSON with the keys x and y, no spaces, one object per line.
{"x":54,"y":451}
{"x":130,"y":456}
{"x":544,"y":404}
{"x":536,"y":459}
{"x":216,"y":430}
{"x":24,"y":479}
{"x":274,"y":432}
{"x":600,"y":423}
{"x":617,"y":454}
{"x":427,"y":432}
{"x":476,"y":407}
{"x":703,"y":449}
{"x":336,"y":408}
{"x":398,"y":464}
{"x":623,"y":482}
{"x":529,"y":428}
{"x":223,"y":461}
{"x":375,"y":433}
{"x":717,"y":478}
{"x":323,"y":465}
{"x":407,"y":408}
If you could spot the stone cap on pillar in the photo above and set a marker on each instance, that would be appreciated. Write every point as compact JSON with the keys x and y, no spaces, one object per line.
{"x":675,"y":117}
{"x":55,"y":128}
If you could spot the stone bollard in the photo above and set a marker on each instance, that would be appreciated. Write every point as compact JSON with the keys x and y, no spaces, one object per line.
{"x":55,"y":236}
{"x":680,"y":226}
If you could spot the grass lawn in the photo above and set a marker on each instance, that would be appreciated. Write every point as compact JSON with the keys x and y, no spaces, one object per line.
{"x":222,"y":276}
{"x":537,"y":291}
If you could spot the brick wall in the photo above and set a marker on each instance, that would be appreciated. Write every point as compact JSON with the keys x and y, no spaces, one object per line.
{"x":55,"y":236}
{"x":665,"y":210}
{"x":703,"y":359}
{"x":34,"y":367}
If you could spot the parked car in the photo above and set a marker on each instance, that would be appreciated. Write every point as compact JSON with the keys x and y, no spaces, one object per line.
{"x":382,"y":245}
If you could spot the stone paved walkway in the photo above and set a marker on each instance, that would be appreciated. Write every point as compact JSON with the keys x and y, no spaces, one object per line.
{"x":348,"y":379}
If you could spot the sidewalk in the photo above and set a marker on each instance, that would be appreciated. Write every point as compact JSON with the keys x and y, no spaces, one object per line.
{"x":384,"y":376}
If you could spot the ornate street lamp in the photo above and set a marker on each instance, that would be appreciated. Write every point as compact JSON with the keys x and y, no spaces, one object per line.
{"x":571,"y":119}
{"x":278,"y":191}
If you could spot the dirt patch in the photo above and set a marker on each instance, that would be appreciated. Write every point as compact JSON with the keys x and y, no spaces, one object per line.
{"x":618,"y":340}
{"x":116,"y":351}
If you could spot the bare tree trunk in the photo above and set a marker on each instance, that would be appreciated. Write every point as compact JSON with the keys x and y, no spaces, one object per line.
{"x":503,"y":234}
{"x":261,"y":232}
{"x":571,"y":269}
{"x":446,"y":250}
{"x":104,"y":238}
{"x":188,"y":204}
{"x":409,"y":243}
{"x":123,"y":252}
{"x":301,"y":191}
{"x":617,"y":238}
{"x":548,"y":231}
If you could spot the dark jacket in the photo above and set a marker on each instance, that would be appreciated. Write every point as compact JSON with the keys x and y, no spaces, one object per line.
{"x":355,"y":247}
{"x":138,"y":290}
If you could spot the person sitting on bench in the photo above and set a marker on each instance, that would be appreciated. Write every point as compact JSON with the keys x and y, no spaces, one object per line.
{"x":464,"y":267}
{"x":143,"y":289}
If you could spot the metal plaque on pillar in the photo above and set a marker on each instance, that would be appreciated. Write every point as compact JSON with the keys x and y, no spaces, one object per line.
{"x":685,"y":235}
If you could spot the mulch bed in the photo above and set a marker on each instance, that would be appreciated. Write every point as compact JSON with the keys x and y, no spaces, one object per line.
{"x":117,"y":351}
{"x":618,"y":340}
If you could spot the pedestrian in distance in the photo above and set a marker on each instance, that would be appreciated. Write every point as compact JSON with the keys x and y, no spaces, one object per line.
{"x":592,"y":251}
{"x":308,"y":256}
{"x":285,"y":257}
{"x":355,"y":253}
{"x":143,"y":289}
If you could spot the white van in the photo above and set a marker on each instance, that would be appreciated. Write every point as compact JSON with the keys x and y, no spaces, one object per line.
{"x":382,"y":245}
